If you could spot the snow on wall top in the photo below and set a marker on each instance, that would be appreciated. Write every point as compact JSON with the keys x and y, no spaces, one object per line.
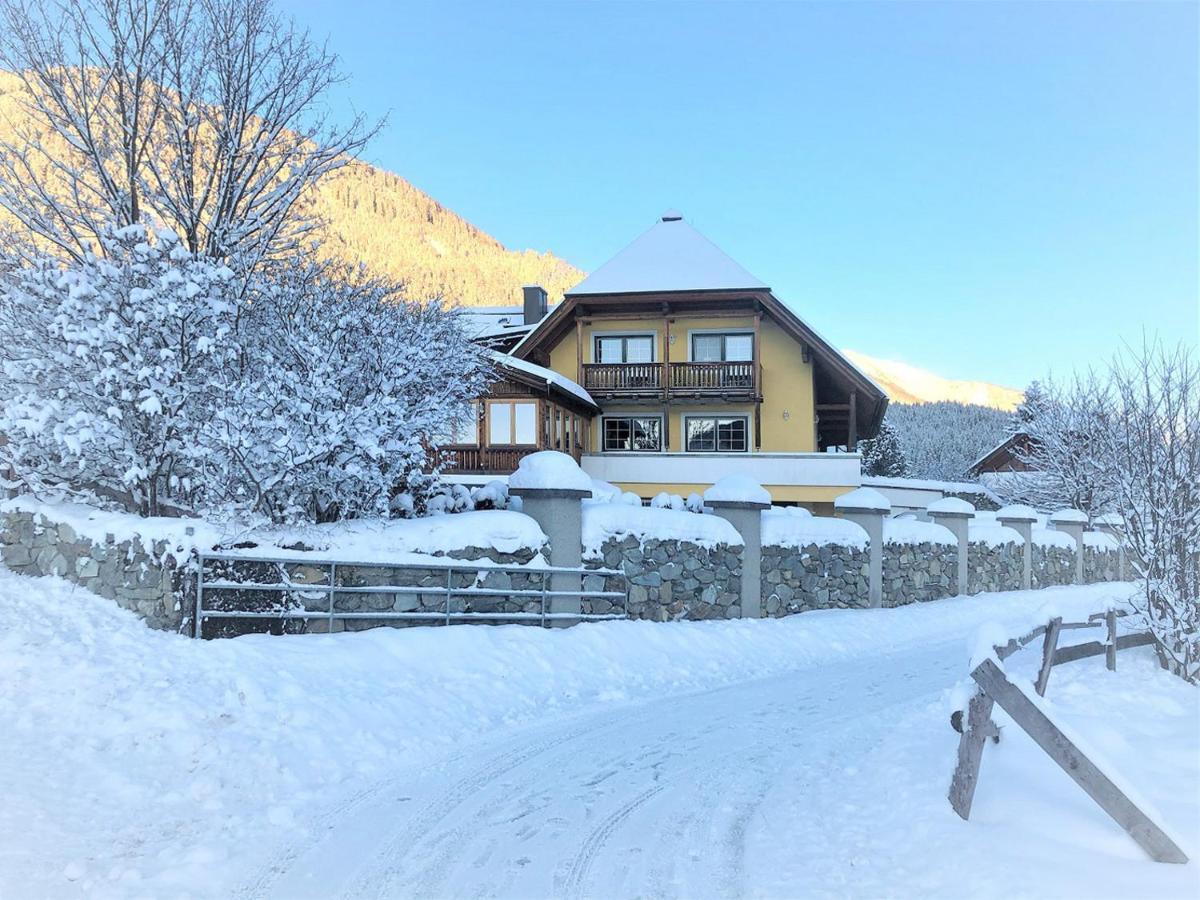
{"x":1112,"y":520}
{"x":671,"y":256}
{"x":737,"y":488}
{"x":951,"y":505}
{"x":97,"y":524}
{"x":602,"y":521}
{"x":549,"y":469}
{"x":1048,"y":537}
{"x":910,"y":531}
{"x":783,"y":527}
{"x":863,"y":498}
{"x":993,"y":535}
{"x":547,"y":375}
{"x":1070,"y":516}
{"x":1098,"y":540}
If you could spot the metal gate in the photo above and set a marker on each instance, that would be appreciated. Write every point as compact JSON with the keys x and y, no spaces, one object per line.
{"x":294,"y":597}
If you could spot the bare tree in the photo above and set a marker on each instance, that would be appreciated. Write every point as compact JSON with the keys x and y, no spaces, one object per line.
{"x":1064,"y":434}
{"x":200,"y":115}
{"x":1154,"y":454}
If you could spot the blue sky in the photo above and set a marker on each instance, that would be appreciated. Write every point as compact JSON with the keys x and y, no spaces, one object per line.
{"x":988,"y":190}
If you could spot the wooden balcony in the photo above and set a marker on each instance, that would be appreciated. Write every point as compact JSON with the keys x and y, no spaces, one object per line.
{"x":485,"y":460}
{"x":672,"y":381}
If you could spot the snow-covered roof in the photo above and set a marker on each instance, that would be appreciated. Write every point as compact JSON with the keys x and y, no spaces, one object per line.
{"x":547,"y":375}
{"x":671,"y":256}
{"x":482,"y":322}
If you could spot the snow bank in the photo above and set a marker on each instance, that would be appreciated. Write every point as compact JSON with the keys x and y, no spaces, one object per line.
{"x":951,"y":505}
{"x":993,"y":535}
{"x":737,"y":488}
{"x":549,"y":469}
{"x":786,"y":527}
{"x":863,"y":498}
{"x":911,"y":531}
{"x":602,"y":521}
{"x":1048,"y":537}
{"x":139,"y":763}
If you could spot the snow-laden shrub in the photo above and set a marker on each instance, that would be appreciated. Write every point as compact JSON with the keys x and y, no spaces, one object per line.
{"x":694,"y":503}
{"x":152,"y":377}
{"x":107,"y":368}
{"x":493,"y":495}
{"x":667,"y":501}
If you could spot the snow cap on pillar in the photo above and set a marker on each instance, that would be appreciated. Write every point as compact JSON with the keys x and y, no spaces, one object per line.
{"x":864,"y":499}
{"x":951,"y":508}
{"x":1069,"y":517}
{"x":1016,"y":512}
{"x":738,"y":490}
{"x":549,"y":473}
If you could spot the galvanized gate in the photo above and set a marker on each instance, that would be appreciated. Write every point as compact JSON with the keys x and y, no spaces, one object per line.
{"x":295,"y":598}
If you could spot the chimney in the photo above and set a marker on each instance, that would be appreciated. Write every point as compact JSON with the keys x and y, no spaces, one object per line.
{"x":535,"y":303}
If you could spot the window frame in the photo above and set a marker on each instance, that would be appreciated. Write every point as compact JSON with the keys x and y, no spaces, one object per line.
{"x":722,"y":333}
{"x":624,"y":336}
{"x":662,"y":428}
{"x":512,"y":403}
{"x":716,"y":418}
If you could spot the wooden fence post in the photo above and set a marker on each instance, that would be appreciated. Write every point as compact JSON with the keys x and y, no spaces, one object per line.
{"x":1049,"y":645}
{"x":1110,"y":651}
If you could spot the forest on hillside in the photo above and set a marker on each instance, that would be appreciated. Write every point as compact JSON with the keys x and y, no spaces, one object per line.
{"x":940,"y":441}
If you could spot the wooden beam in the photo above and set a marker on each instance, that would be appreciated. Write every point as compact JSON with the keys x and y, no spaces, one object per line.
{"x":1094,"y":782}
{"x":979,"y":728}
{"x":1074,"y":652}
{"x":1049,"y":645}
{"x":852,"y":439}
{"x":1110,"y":655}
{"x":579,"y":351}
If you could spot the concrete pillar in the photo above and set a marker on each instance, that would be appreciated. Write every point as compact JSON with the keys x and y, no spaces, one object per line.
{"x":1020,"y":519}
{"x":746,"y":517}
{"x":1113,"y":525}
{"x":1072,"y":522}
{"x":868,"y":508}
{"x":559,"y":512}
{"x":956,"y":514}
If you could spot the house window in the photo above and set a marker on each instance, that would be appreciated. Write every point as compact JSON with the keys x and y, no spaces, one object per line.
{"x":633,"y":433}
{"x":722,"y":348}
{"x":512,"y":422}
{"x":716,"y":434}
{"x":625,"y":348}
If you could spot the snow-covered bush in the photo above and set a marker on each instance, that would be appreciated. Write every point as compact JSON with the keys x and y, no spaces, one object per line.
{"x":341,"y":385}
{"x":493,"y":495}
{"x":107,"y":368}
{"x":694,"y":503}
{"x":667,"y":501}
{"x":152,"y":377}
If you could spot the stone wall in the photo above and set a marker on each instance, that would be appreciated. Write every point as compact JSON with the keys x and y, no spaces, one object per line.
{"x":1052,"y":565}
{"x":669,"y":579}
{"x":994,"y":567}
{"x":913,"y":573}
{"x":1101,"y":565}
{"x":148,"y":581}
{"x":825,"y":576}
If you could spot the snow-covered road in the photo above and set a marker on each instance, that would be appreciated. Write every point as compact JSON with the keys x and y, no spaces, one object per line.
{"x":765,"y":788}
{"x":801,"y":757}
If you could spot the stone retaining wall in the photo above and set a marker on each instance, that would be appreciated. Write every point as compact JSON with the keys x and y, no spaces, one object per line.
{"x":915,"y":573}
{"x":1052,"y":566}
{"x":148,"y":581}
{"x":669,"y":579}
{"x":825,"y":576}
{"x":1101,"y":565}
{"x":994,"y":567}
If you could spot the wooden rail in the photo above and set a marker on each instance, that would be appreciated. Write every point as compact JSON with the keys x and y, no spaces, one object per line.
{"x":484,"y":460}
{"x":685,"y":379}
{"x":996,"y":687}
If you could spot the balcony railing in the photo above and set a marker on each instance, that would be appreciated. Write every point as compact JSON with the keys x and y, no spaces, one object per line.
{"x":485,"y":460}
{"x":677,"y":379}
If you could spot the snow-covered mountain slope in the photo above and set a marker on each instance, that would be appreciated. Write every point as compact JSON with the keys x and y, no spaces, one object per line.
{"x":909,"y":384}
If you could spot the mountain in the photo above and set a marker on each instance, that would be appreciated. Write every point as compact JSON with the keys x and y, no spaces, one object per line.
{"x":908,"y":384}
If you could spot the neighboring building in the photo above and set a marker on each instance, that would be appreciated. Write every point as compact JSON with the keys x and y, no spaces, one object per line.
{"x":913,"y":495}
{"x":1004,"y":457}
{"x":692,"y":368}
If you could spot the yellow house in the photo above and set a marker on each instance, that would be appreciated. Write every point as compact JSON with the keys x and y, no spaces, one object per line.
{"x":695,"y":370}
